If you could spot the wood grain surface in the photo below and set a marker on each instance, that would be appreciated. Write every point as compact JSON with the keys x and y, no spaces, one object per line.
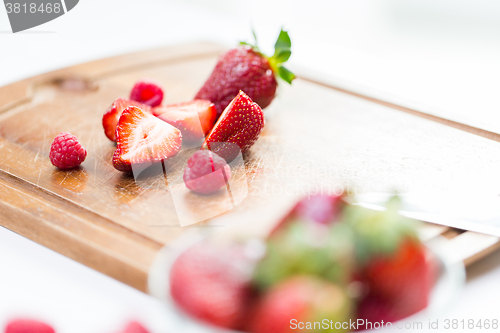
{"x":316,"y":139}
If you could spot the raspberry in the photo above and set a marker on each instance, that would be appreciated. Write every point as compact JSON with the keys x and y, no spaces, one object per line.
{"x":206,"y":172}
{"x":135,"y":327}
{"x":147,"y":92}
{"x":66,"y":152}
{"x":28,"y":326}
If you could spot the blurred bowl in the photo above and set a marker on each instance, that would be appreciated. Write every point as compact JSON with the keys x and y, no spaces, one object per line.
{"x":448,"y":286}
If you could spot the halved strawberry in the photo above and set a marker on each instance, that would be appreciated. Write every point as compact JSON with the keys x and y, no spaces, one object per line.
{"x":142,"y":138}
{"x":111,"y":116}
{"x":237,"y":129}
{"x":195,"y":119}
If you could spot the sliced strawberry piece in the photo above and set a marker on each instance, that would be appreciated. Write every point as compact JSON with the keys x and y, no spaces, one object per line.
{"x":195,"y":119}
{"x":142,"y":138}
{"x":111,"y":116}
{"x":237,"y":129}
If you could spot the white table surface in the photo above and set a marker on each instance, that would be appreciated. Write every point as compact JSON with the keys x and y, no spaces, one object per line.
{"x":347,"y":40}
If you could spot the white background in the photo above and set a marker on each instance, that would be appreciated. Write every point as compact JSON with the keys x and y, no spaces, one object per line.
{"x":441,"y":56}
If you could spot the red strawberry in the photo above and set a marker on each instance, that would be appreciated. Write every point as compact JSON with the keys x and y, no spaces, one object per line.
{"x":302,"y":299}
{"x":237,"y":129}
{"x":375,"y":309}
{"x":319,"y":208}
{"x":211,"y":282}
{"x":28,"y":326}
{"x":404,"y":272}
{"x":194,"y":119}
{"x":393,"y":263}
{"x":246,"y":68}
{"x":143,"y":138}
{"x":111,"y":116}
{"x":147,"y":92}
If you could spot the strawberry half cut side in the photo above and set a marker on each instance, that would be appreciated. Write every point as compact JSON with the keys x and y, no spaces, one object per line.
{"x":112,"y":115}
{"x":194,"y":119}
{"x":142,"y":138}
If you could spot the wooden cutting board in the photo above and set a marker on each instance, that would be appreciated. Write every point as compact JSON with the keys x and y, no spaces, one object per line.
{"x":316,"y":138}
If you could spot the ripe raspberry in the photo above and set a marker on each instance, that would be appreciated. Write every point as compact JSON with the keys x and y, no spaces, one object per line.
{"x":206,"y":172}
{"x":66,"y":152}
{"x":147,"y":92}
{"x":28,"y":326}
{"x":135,"y":327}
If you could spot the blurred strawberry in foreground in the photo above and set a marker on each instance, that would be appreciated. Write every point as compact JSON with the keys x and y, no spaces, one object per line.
{"x":394,"y":264}
{"x":194,"y":119}
{"x":28,"y":326}
{"x":147,"y":92}
{"x":134,"y":327}
{"x":112,"y":115}
{"x":246,"y":68}
{"x":328,"y":262}
{"x":212,"y":283}
{"x":305,"y":299}
{"x":375,"y":309}
{"x":318,"y":208}
{"x":237,"y":129}
{"x":300,"y":248}
{"x":143,"y":139}
{"x":206,"y":172}
{"x":308,"y":241}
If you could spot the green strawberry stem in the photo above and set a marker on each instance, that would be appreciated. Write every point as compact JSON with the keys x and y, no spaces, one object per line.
{"x":282,"y":52}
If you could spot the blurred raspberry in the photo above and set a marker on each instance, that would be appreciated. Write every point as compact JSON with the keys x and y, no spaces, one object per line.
{"x":66,"y":152}
{"x":134,"y":327}
{"x":28,"y":326}
{"x":206,"y":172}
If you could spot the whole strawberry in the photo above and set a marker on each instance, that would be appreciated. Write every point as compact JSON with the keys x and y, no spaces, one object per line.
{"x":237,"y":129}
{"x":66,"y":152}
{"x":300,"y":301}
{"x":246,"y":68}
{"x":211,"y":282}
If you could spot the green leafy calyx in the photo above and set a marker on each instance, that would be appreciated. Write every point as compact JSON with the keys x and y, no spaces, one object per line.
{"x":282,"y":52}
